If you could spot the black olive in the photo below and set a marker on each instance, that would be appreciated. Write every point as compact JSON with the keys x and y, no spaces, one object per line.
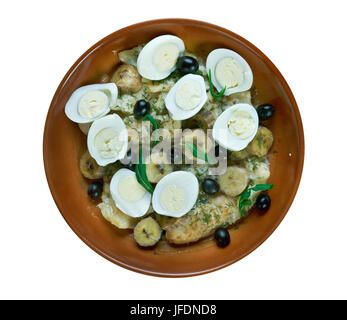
{"x":187,"y":64}
{"x":265,"y":111}
{"x":127,"y":161}
{"x":95,"y":190}
{"x":210,"y":186}
{"x":263,"y":202}
{"x":141,"y":108}
{"x":216,"y":150}
{"x":222,"y":237}
{"x":175,"y":156}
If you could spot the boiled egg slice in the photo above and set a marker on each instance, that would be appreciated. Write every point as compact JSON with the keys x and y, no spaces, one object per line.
{"x":236,"y":127}
{"x":91,"y":102}
{"x":230,"y":70}
{"x":175,"y":194}
{"x":158,"y":57}
{"x":129,"y":196}
{"x":107,"y":139}
{"x":186,"y":98}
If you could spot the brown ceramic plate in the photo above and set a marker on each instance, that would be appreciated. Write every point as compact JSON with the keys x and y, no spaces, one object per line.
{"x":64,"y":143}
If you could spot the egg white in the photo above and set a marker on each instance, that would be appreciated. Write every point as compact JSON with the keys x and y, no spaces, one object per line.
{"x":216,"y":56}
{"x":222,"y":134}
{"x":176,"y":112}
{"x":182,"y":179}
{"x":109,"y":121}
{"x":145,"y":64}
{"x":71,"y":107}
{"x":133,"y":209}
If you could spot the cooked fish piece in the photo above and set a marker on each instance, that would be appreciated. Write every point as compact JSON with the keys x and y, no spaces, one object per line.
{"x":202,"y":221}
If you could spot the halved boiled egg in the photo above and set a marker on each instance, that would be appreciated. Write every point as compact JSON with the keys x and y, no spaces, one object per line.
{"x":230,"y":70}
{"x":175,"y":194}
{"x":107,"y":139}
{"x":91,"y":102}
{"x":158,"y":57}
{"x":186,"y":98}
{"x":236,"y":127}
{"x":128,"y":195}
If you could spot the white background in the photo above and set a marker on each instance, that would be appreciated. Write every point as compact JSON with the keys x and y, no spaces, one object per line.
{"x":40,"y":257}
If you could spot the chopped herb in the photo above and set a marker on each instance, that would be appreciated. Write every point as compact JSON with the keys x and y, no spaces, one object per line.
{"x":245,"y":201}
{"x":141,"y":176}
{"x":175,"y":75}
{"x":207,"y":218}
{"x":221,"y":93}
{"x":154,"y":124}
{"x":199,"y":73}
{"x":201,"y":200}
{"x":111,"y":169}
{"x":196,"y":152}
{"x":259,"y":139}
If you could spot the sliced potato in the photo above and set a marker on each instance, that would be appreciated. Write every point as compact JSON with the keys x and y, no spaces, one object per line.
{"x":239,"y":155}
{"x":234,"y":181}
{"x":158,"y":166}
{"x":127,"y":79}
{"x":89,"y":168}
{"x":239,"y":97}
{"x":130,"y":56}
{"x":112,"y":214}
{"x":261,"y":143}
{"x":147,"y":232}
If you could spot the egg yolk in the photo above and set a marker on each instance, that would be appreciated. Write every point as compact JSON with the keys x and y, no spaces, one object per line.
{"x":241,"y":124}
{"x":130,"y":190}
{"x":188,"y":95}
{"x":107,"y":143}
{"x":173,"y":199}
{"x":92,"y":104}
{"x":165,"y":56}
{"x":229,"y":73}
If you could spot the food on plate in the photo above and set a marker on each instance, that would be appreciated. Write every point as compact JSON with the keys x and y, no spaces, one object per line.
{"x":158,"y":167}
{"x":222,"y":237}
{"x":89,"y":168}
{"x":236,"y":127}
{"x":158,"y":126}
{"x":107,"y":139}
{"x":95,"y":189}
{"x":186,"y":97}
{"x":91,"y":102}
{"x":210,"y":186}
{"x":263,"y":202}
{"x":129,"y":195}
{"x":175,"y":194}
{"x":261,"y":142}
{"x":147,"y":232}
{"x":158,"y":57}
{"x":265,"y":111}
{"x":234,"y":181}
{"x":127,"y":79}
{"x":229,"y":70}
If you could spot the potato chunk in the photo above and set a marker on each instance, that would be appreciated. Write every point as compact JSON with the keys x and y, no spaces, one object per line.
{"x":261,"y":143}
{"x":127,"y":79}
